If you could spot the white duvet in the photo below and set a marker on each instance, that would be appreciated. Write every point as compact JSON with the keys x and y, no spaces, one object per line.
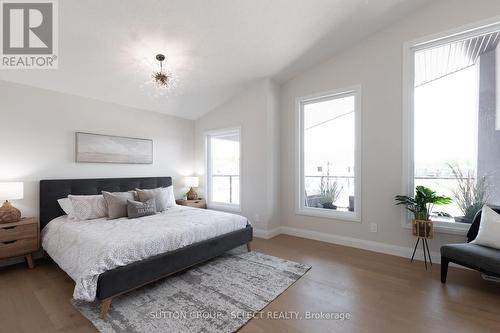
{"x":85,"y":249}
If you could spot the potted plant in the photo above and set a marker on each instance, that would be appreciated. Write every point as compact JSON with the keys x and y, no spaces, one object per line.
{"x":329,"y":193}
{"x":421,"y":206}
{"x":470,"y":194}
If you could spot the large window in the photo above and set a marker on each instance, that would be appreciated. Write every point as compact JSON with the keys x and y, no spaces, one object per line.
{"x":223,"y":169}
{"x":329,"y":154}
{"x":452,"y":109}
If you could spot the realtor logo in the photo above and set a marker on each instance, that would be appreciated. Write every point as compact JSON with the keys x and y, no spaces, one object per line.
{"x":29,"y":34}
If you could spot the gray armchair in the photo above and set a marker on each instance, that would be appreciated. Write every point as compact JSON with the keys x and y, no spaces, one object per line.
{"x":480,"y":258}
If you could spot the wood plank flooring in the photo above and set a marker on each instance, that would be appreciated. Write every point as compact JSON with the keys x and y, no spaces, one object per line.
{"x":381,"y":293}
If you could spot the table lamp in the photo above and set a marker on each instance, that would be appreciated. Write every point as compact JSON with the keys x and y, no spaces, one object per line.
{"x":191,"y":182}
{"x":10,"y":191}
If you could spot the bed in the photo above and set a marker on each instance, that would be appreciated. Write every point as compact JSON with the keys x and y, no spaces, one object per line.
{"x":219,"y":233}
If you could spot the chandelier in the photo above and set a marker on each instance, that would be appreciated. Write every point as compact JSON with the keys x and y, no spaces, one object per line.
{"x":161,"y":78}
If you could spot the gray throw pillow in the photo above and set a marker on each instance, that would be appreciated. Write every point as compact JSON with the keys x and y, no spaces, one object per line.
{"x":117,"y":203}
{"x":161,"y":194}
{"x":138,"y":209}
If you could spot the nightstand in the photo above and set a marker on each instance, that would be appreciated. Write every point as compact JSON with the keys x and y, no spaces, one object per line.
{"x":200,"y":203}
{"x":20,"y":239}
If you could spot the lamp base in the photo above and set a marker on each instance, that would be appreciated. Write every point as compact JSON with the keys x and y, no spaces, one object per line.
{"x":9,"y":213}
{"x":192,"y":195}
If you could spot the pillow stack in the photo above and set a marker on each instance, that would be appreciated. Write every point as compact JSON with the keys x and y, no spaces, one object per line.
{"x":113,"y":205}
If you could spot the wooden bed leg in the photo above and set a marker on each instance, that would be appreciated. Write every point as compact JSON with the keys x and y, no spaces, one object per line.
{"x":249,"y":247}
{"x":105,"y":304}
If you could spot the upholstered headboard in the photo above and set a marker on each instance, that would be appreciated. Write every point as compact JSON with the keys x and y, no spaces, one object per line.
{"x":51,"y":190}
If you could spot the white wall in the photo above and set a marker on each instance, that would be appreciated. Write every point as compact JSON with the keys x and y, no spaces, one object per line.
{"x":256,"y":111}
{"x":37,"y":139}
{"x":376,"y":64}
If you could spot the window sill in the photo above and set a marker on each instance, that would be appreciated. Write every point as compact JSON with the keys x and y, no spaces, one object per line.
{"x":329,"y":214}
{"x":452,"y":228}
{"x":224,"y":207}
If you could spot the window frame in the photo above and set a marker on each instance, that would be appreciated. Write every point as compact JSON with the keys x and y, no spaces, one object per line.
{"x":408,"y":125}
{"x":300,"y":208}
{"x":208,"y":172}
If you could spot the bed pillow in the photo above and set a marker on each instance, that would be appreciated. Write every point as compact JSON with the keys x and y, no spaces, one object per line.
{"x":116,"y":203}
{"x":134,"y":193}
{"x":137,"y":209}
{"x":489,"y":229}
{"x":164,"y":197}
{"x":87,"y":207}
{"x":66,"y":205}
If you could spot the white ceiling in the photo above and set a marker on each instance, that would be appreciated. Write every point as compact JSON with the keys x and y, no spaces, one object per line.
{"x":215,"y":48}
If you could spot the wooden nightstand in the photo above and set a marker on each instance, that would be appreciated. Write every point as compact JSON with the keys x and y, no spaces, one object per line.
{"x":200,"y":203}
{"x":20,"y":239}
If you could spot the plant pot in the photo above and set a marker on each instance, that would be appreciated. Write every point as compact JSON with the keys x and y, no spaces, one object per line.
{"x":351,"y":203}
{"x":329,"y":205}
{"x":423,"y":229}
{"x":463,"y":219}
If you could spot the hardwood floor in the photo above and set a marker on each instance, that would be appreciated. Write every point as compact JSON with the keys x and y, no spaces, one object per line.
{"x":381,"y":293}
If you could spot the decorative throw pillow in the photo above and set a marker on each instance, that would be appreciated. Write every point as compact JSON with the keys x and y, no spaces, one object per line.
{"x":66,"y":205}
{"x":116,"y":203}
{"x":134,"y":193}
{"x":164,"y":197}
{"x":87,"y":207}
{"x":138,"y":209}
{"x":489,"y":229}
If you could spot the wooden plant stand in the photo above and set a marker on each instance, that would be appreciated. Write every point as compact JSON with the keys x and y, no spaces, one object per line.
{"x":423,"y":230}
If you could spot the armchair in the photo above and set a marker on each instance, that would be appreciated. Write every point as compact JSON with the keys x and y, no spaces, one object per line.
{"x":480,"y":258}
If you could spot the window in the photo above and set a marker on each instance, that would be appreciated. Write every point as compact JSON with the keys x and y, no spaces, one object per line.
{"x":328,"y":132}
{"x":223,"y":169}
{"x":451,"y":114}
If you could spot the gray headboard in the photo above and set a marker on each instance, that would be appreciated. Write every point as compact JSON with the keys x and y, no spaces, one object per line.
{"x":51,"y":190}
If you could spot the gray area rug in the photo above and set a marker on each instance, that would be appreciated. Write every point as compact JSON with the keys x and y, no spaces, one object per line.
{"x":220,"y":295}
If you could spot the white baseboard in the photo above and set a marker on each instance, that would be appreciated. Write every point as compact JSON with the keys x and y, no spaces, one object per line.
{"x":394,"y":250}
{"x":364,"y":244}
{"x":266,"y":234}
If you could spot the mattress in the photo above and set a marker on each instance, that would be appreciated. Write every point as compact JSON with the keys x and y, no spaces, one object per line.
{"x":85,"y":249}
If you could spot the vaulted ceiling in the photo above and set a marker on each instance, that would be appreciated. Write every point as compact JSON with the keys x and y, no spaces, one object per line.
{"x":215,"y":48}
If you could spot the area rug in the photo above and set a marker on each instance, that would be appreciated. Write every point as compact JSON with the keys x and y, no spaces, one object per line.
{"x":220,"y":295}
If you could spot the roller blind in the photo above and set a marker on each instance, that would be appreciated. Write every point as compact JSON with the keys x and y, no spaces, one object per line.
{"x":437,"y":62}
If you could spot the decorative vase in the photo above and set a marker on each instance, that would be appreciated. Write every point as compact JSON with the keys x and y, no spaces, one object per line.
{"x":9,"y":213}
{"x":423,"y":229}
{"x":192,"y":195}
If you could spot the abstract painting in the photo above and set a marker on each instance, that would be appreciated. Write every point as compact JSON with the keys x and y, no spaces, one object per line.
{"x":98,"y":148}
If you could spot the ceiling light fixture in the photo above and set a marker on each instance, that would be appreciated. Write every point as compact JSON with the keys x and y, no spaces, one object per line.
{"x":161,"y":78}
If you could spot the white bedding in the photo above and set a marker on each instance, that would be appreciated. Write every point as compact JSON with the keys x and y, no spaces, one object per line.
{"x":85,"y":249}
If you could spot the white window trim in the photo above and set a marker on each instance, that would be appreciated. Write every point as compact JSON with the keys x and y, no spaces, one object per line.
{"x":409,"y":49}
{"x":208,"y":182}
{"x":300,"y":209}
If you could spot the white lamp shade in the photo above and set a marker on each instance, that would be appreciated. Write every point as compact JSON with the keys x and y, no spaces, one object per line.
{"x":191,"y":181}
{"x":11,"y":190}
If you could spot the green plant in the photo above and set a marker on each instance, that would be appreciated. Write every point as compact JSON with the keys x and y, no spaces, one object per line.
{"x":421,"y":205}
{"x":471,"y":192}
{"x":329,"y":191}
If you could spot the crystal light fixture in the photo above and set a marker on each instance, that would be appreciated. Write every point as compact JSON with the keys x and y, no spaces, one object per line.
{"x":161,"y":78}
